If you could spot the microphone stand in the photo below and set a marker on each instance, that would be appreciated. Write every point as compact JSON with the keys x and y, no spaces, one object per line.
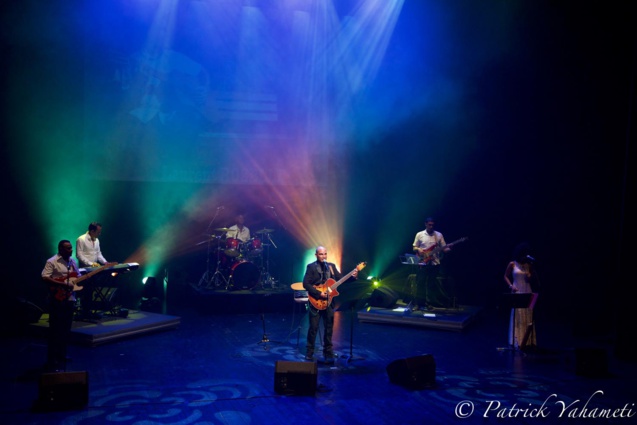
{"x":277,"y":218}
{"x":206,"y":276}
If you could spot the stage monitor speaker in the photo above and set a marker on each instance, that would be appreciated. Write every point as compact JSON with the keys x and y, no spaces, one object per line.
{"x":417,"y":372}
{"x":383,"y":297}
{"x":295,"y":378}
{"x":63,"y":391}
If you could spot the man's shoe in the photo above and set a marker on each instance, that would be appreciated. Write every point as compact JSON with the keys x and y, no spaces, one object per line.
{"x":330,"y":355}
{"x":329,"y":360}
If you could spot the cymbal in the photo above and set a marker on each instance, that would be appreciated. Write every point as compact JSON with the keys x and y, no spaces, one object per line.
{"x":260,"y":232}
{"x":222,"y":229}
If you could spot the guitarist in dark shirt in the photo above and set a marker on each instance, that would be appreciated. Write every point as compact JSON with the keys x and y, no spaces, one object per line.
{"x":60,"y":273}
{"x":316,"y":275}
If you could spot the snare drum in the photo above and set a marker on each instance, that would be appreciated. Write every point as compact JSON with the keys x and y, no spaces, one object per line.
{"x":244,"y":275}
{"x":255,"y":247}
{"x":232,"y":247}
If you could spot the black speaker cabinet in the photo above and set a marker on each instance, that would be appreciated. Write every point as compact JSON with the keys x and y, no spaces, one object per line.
{"x":383,"y":297}
{"x":295,"y":378}
{"x":417,"y":372}
{"x":63,"y":391}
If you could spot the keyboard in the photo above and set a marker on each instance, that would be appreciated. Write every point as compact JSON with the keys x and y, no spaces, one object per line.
{"x":119,"y":268}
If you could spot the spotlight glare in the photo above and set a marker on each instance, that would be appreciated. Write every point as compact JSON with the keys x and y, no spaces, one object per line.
{"x":374,"y":280}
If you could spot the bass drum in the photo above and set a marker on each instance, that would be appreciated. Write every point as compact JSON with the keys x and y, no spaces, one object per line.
{"x":244,"y":275}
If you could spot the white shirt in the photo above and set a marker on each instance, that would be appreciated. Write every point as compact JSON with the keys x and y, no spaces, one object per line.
{"x":88,"y":251}
{"x":243,"y":235}
{"x":424,"y":240}
{"x":57,"y":267}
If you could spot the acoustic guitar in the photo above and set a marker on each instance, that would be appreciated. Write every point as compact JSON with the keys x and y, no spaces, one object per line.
{"x":329,"y":288}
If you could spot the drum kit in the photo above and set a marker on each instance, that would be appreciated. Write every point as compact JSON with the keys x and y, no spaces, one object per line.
{"x":239,"y":264}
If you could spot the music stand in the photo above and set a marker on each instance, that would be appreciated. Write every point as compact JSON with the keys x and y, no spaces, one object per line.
{"x":352,"y":303}
{"x":515,"y":300}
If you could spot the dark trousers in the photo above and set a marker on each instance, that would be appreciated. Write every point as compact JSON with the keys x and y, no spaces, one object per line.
{"x":60,"y":323}
{"x":430,"y":290}
{"x":315,"y":317}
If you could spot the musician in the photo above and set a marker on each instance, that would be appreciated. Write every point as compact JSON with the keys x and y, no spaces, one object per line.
{"x":520,"y":276}
{"x":58,"y":273}
{"x":317,"y":273}
{"x":89,"y":254}
{"x":429,"y":244}
{"x":87,"y":247}
{"x":239,"y":230}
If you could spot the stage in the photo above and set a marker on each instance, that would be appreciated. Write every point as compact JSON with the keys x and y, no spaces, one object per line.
{"x":258,"y":300}
{"x":110,"y":328}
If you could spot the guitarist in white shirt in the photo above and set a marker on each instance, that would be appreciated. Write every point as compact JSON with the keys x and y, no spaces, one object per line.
{"x":57,"y":274}
{"x":429,"y":244}
{"x":316,"y":274}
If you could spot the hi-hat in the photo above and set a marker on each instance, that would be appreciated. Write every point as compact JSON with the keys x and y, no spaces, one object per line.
{"x":222,"y":229}
{"x":259,"y":232}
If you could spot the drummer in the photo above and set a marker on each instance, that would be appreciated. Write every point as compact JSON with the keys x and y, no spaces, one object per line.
{"x":239,"y":230}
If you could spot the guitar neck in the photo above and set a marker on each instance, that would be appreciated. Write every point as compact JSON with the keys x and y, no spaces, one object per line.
{"x":343,"y":279}
{"x":436,"y":249}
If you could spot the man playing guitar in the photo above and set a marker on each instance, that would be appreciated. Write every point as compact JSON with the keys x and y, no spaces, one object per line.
{"x":428,"y":245}
{"x":317,"y":274}
{"x":57,"y":274}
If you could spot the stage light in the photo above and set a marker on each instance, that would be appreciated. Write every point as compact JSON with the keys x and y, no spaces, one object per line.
{"x":374,"y":280}
{"x":151,"y":295}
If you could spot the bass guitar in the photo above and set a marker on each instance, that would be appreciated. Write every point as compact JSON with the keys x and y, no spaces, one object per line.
{"x":63,"y":292}
{"x":329,"y":288}
{"x":426,"y":255}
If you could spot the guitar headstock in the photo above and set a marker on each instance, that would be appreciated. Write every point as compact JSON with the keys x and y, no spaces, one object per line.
{"x":361,"y":265}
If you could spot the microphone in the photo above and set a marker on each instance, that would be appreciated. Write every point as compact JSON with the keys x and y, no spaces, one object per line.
{"x":221,"y":208}
{"x":531,"y":259}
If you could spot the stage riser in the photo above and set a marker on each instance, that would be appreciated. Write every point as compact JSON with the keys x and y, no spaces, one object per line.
{"x":239,"y":302}
{"x":449,"y":319}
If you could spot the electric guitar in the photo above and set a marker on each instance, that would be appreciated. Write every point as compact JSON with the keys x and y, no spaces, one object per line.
{"x":329,"y":288}
{"x":63,"y":292}
{"x":426,"y":255}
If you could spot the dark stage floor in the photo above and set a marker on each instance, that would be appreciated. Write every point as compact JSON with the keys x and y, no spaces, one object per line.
{"x":217,"y":368}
